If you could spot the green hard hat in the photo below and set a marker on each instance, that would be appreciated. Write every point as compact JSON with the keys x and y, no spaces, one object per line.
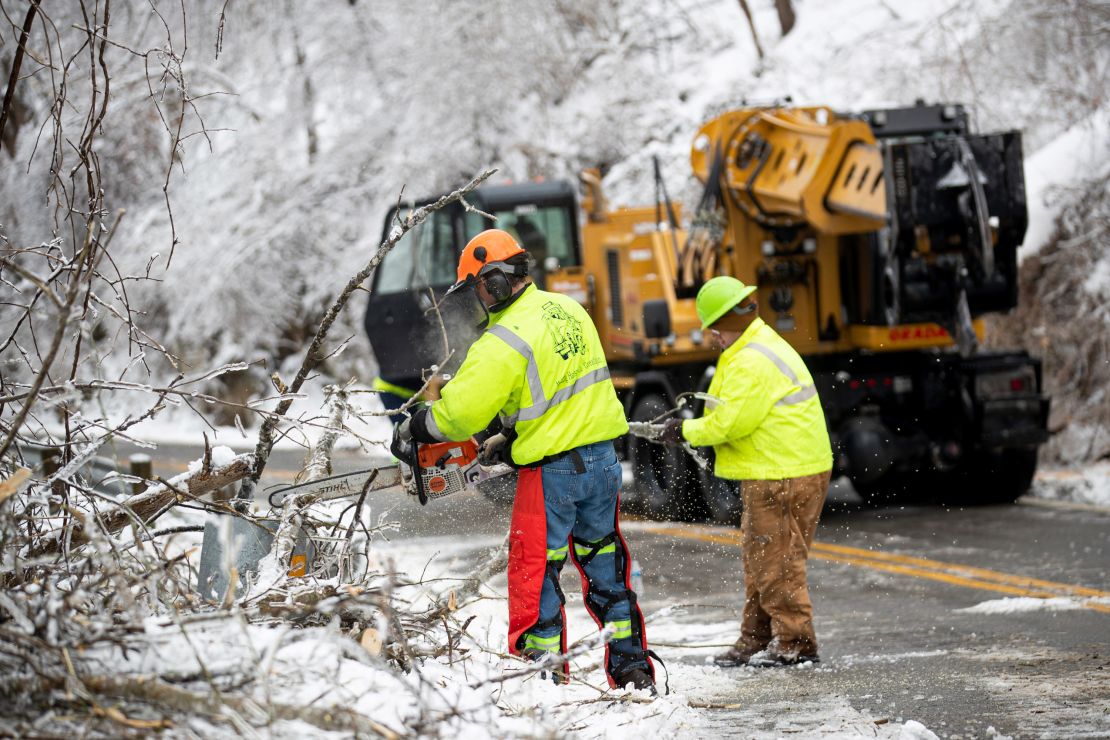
{"x":718,"y":296}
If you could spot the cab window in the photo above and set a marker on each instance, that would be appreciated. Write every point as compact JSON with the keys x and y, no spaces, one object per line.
{"x":546,"y":232}
{"x":424,"y":257}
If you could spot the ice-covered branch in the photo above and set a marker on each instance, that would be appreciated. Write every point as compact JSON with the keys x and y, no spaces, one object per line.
{"x":148,"y":505}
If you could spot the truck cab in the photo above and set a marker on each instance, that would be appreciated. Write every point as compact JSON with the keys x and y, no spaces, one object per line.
{"x":406,"y":306}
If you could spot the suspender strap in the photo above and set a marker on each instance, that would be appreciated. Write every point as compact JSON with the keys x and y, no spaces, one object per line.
{"x":587,"y":551}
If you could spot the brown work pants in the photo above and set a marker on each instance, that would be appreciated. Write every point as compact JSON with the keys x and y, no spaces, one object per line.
{"x":777,"y":526}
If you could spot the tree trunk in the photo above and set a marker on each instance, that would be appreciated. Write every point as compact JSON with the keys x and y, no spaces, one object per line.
{"x":751,"y":24}
{"x":786,"y":15}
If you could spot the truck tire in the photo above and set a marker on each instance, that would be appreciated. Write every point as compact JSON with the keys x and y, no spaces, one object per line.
{"x":665,"y":485}
{"x":987,"y":478}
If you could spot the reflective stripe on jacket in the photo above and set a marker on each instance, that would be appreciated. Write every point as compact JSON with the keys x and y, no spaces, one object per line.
{"x":540,"y":366}
{"x":769,"y":424}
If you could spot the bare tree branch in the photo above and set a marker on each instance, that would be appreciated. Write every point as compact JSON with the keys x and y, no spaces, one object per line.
{"x":17,"y":63}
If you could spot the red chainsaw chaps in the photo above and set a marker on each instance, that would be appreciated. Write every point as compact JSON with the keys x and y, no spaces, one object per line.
{"x":527,"y":554}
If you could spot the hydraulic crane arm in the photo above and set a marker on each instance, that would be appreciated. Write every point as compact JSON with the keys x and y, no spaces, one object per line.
{"x":788,"y":167}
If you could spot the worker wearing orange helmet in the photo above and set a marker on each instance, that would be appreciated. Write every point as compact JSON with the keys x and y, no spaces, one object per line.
{"x":540,"y":368}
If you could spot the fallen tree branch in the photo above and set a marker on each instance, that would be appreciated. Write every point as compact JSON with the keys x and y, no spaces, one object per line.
{"x":152,"y":690}
{"x":496,"y":561}
{"x":274,"y":567}
{"x":551,"y":661}
{"x":152,"y":502}
{"x":319,"y":460}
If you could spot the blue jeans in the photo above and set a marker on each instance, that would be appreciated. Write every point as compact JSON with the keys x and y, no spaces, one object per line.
{"x":581,"y":510}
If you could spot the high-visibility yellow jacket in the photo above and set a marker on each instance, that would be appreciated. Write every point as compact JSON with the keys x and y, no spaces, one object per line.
{"x":769,"y":424}
{"x":540,"y":365}
{"x":381,"y":384}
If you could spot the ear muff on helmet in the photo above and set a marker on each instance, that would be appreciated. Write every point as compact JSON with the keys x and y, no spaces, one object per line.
{"x":496,"y":277}
{"x":497,"y":284}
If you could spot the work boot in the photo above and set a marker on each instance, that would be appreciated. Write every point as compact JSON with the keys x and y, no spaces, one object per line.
{"x":735,"y":656}
{"x":638,"y":676}
{"x":776,"y":654}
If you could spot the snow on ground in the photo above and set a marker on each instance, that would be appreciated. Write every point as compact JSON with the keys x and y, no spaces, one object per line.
{"x":465,"y":694}
{"x":1018,"y":604}
{"x":1087,"y":485}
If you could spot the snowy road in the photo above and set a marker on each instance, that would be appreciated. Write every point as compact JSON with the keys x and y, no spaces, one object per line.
{"x":939,"y":616}
{"x":962,"y":620}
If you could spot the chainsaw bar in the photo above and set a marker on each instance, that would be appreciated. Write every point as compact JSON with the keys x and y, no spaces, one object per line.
{"x":342,"y":486}
{"x":443,"y":469}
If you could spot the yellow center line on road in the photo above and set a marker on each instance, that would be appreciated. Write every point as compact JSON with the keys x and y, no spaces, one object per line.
{"x":951,"y":573}
{"x":960,"y":569}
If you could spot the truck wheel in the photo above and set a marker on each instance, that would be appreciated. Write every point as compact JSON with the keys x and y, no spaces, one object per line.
{"x":666,"y":488}
{"x":500,"y":490}
{"x":722,"y":497}
{"x":991,"y":478}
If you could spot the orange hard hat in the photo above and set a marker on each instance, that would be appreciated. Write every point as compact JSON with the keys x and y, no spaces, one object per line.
{"x":489,"y":249}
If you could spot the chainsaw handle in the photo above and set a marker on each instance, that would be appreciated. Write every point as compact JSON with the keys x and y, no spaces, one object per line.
{"x":418,"y":479}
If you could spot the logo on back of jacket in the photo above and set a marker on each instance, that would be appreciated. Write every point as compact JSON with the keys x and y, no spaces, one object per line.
{"x":565,"y":329}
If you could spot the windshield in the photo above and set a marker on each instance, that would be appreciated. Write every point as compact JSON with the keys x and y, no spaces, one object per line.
{"x":544,"y":231}
{"x":424,"y":256}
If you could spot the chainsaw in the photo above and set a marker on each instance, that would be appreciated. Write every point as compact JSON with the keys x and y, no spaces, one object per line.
{"x":440,"y":469}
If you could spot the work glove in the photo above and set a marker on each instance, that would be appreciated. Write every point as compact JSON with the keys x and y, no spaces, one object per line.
{"x":672,"y":433}
{"x":493,"y":449}
{"x":401,"y":444}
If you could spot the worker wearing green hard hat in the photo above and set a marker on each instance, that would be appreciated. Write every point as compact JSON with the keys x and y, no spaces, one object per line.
{"x":722,"y":295}
{"x":768,"y":432}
